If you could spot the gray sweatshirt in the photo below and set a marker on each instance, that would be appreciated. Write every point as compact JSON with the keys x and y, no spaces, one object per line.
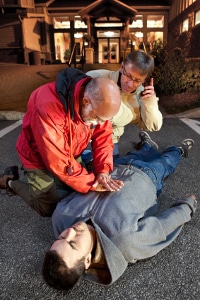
{"x":126,"y":222}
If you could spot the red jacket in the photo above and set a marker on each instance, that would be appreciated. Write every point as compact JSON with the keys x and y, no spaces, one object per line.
{"x":44,"y":142}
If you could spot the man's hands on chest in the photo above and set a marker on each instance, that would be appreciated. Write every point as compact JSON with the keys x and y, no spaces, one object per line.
{"x":104,"y":183}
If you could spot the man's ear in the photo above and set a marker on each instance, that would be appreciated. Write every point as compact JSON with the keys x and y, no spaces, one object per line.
{"x":88,"y":259}
{"x":86,"y":101}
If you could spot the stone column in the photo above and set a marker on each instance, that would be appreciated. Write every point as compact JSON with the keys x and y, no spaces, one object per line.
{"x":89,"y":55}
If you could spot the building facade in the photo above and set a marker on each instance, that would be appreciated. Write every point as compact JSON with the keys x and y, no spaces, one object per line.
{"x":103,"y":31}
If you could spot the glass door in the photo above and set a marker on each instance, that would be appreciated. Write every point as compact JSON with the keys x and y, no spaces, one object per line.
{"x":108,"y":50}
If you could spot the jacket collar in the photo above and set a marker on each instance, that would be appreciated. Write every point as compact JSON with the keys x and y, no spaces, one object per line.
{"x":106,"y":273}
{"x":67,"y":81}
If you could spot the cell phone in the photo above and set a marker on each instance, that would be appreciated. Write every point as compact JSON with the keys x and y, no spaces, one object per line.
{"x":147,"y":81}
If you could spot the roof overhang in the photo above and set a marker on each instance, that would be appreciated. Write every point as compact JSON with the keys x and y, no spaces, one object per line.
{"x":108,"y":8}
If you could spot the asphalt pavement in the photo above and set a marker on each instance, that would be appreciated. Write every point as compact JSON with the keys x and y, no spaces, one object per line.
{"x":173,"y":274}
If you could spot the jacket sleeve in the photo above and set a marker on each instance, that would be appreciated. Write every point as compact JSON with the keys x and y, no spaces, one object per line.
{"x":150,"y":116}
{"x":102,"y":148}
{"x":50,"y":134}
{"x":154,"y":233}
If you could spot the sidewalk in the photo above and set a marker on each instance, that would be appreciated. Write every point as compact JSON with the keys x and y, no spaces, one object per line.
{"x":15,"y":115}
{"x":18,"y":81}
{"x":192,"y":113}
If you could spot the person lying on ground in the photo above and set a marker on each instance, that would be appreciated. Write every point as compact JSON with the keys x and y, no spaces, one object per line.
{"x":99,"y":234}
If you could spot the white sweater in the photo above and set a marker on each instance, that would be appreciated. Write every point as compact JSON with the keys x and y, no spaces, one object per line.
{"x":143,"y":112}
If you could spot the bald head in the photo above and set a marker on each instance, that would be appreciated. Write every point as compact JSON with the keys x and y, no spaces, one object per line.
{"x":104,"y":95}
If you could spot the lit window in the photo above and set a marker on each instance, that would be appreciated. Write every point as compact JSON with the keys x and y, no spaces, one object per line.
{"x":78,"y":35}
{"x":79,"y":23}
{"x":139,"y":35}
{"x":156,"y":21}
{"x":61,"y":22}
{"x":197,"y":17}
{"x":108,"y":24}
{"x":108,"y":33}
{"x":154,"y":37}
{"x":136,"y":40}
{"x":62,"y":46}
{"x":138,"y":22}
{"x":185,"y":25}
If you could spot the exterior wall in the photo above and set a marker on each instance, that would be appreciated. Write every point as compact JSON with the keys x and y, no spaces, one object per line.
{"x":17,"y":3}
{"x":32,"y":34}
{"x":27,"y":27}
{"x":11,"y":49}
{"x":25,"y":32}
{"x":37,"y":36}
{"x":188,"y":40}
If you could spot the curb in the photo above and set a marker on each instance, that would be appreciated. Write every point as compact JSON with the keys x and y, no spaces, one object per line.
{"x":193,"y":113}
{"x":16,"y":115}
{"x":11,"y":115}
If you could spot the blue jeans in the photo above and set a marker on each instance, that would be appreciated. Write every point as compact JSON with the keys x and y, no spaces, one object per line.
{"x":156,"y":165}
{"x":86,"y":155}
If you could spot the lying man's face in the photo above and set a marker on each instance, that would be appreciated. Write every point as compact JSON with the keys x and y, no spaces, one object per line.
{"x":74,"y":243}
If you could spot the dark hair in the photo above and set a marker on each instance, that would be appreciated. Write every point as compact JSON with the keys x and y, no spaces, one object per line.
{"x":57,"y":274}
{"x":141,"y":61}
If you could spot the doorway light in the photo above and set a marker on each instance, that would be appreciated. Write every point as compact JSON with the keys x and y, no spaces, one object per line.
{"x":108,"y":33}
{"x":138,"y":34}
{"x":78,"y":35}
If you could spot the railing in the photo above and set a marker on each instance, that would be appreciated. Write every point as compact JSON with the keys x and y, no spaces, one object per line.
{"x":72,"y":55}
{"x":77,"y":59}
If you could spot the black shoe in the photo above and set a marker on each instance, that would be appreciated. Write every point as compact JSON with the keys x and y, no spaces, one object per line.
{"x":145,"y":138}
{"x":12,"y":171}
{"x":185,"y":146}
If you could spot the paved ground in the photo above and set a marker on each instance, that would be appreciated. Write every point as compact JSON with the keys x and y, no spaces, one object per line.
{"x":173,"y":274}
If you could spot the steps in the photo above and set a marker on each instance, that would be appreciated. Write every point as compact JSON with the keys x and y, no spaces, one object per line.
{"x":18,"y":81}
{"x":89,"y":67}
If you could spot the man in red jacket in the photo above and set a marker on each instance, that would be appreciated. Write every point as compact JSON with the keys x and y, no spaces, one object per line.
{"x":61,"y":119}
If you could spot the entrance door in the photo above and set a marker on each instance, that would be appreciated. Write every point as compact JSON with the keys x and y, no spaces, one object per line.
{"x":108,"y":50}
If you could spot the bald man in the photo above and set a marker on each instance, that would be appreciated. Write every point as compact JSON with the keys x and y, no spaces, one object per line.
{"x":61,"y":119}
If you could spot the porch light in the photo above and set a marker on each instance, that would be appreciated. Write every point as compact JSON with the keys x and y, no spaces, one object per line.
{"x":108,"y":33}
{"x":78,"y":35}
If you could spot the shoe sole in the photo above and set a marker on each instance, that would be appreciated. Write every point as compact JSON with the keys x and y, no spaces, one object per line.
{"x":148,"y":139}
{"x":145,"y":134}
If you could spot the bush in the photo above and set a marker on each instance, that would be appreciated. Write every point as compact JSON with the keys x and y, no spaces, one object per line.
{"x":191,"y":78}
{"x":172,"y":74}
